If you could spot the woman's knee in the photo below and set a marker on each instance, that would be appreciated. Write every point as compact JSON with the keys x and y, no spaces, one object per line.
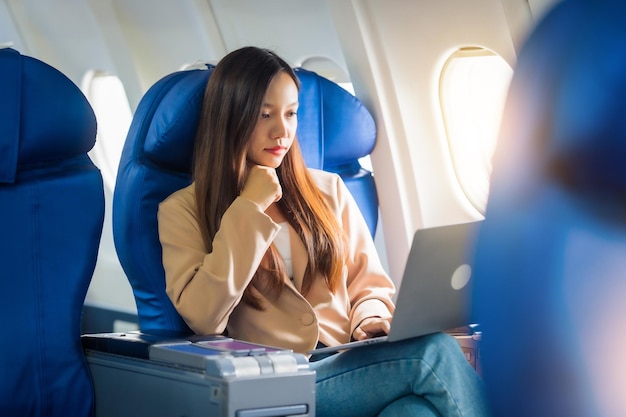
{"x":437,"y":349}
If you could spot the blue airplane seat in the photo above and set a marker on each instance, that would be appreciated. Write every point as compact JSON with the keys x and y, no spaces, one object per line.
{"x":550,"y":267}
{"x":51,"y":217}
{"x":334,"y":131}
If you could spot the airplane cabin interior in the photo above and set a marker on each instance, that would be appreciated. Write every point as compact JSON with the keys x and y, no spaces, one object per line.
{"x":507,"y":113}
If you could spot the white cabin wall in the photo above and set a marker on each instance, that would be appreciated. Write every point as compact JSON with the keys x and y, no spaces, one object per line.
{"x":9,"y":33}
{"x":395,"y":51}
{"x":520,"y":19}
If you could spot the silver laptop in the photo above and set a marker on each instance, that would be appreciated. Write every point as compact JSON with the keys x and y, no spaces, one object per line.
{"x":435,"y":291}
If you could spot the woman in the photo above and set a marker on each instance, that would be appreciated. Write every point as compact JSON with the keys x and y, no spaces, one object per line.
{"x":270,"y":252}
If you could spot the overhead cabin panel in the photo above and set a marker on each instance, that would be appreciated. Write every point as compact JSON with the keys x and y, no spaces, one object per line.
{"x":295,"y":29}
{"x":163,"y":36}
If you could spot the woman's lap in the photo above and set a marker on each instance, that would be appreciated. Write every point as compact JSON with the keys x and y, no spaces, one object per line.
{"x":363,"y":381}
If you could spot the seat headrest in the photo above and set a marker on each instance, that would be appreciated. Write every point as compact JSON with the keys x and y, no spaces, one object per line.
{"x":330,"y":113}
{"x":44,"y":116}
{"x":172,"y":129}
{"x":333,"y":125}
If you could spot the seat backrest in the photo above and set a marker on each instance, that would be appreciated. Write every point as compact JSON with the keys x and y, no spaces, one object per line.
{"x":550,"y":268}
{"x":334,"y":131}
{"x":51,"y":217}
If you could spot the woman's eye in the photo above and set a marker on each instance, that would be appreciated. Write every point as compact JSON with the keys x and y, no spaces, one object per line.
{"x":292,"y":114}
{"x":264,"y":116}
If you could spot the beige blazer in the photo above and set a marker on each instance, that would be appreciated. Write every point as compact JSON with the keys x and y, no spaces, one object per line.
{"x":206,"y":288}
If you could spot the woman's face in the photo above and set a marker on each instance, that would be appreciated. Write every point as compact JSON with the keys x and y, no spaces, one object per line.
{"x":276,"y":127}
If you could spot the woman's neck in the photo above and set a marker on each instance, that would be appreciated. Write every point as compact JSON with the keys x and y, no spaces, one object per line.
{"x":274,"y":212}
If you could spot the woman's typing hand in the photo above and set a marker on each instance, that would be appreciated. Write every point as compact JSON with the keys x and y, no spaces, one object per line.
{"x":372,"y":327}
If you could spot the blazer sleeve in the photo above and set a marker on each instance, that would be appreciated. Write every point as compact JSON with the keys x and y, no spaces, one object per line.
{"x":206,"y":287}
{"x":369,"y":287}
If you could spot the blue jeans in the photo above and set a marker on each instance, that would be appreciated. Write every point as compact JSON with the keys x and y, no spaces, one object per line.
{"x":424,"y":376}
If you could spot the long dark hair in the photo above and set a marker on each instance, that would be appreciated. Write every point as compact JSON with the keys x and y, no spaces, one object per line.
{"x":231,"y":108}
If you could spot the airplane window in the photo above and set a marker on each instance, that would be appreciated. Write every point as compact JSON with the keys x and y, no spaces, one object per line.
{"x":473,"y":87}
{"x":107,"y":96}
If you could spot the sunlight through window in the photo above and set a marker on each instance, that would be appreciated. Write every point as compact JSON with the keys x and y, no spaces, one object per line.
{"x":473,"y":89}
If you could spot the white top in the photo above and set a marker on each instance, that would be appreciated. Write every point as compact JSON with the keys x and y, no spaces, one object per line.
{"x":283,"y":246}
